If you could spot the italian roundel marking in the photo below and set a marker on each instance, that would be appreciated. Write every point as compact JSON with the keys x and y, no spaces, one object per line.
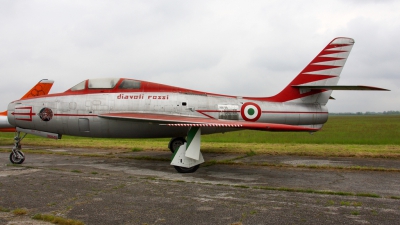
{"x":250,"y":111}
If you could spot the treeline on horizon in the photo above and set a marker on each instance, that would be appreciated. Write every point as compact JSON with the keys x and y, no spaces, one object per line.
{"x":390,"y":112}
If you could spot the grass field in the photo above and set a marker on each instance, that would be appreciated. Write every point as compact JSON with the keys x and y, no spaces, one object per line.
{"x":365,"y":136}
{"x":364,"y":130}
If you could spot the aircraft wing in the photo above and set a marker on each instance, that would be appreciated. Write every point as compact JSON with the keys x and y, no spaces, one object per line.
{"x":186,"y":121}
{"x":341,"y":87}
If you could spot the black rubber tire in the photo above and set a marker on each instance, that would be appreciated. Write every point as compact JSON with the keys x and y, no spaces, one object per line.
{"x":186,"y":170}
{"x":15,"y":160}
{"x":174,"y":143}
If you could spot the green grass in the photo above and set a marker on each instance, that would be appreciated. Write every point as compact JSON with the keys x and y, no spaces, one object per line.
{"x":2,"y":209}
{"x":19,"y":212}
{"x":345,"y":203}
{"x":251,"y":153}
{"x":364,"y":130}
{"x":365,"y":136}
{"x":136,"y":149}
{"x":361,"y":129}
{"x":56,"y":219}
{"x":331,"y":202}
{"x":368,"y":195}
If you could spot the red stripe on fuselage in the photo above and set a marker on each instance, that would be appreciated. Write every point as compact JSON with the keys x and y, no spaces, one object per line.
{"x":288,"y":112}
{"x":204,"y":112}
{"x":60,"y":114}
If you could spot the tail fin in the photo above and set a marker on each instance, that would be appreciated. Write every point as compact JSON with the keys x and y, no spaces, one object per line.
{"x":323,"y":70}
{"x":41,"y":88}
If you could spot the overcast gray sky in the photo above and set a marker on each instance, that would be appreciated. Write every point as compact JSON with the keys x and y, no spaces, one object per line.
{"x":247,"y":48}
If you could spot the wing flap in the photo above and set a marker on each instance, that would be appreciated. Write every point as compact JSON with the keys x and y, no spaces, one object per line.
{"x":185,"y":121}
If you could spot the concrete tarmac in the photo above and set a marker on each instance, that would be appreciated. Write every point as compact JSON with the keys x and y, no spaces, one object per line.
{"x":97,"y":187}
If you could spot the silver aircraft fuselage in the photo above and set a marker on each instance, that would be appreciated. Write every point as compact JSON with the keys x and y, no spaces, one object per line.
{"x":80,"y":114}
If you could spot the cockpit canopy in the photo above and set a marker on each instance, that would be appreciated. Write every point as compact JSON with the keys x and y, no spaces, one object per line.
{"x":107,"y":83}
{"x":118,"y":85}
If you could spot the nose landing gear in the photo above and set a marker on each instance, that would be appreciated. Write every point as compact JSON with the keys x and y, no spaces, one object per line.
{"x":17,"y":156}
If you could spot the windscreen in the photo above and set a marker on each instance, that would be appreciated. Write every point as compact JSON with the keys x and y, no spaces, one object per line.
{"x":79,"y":86}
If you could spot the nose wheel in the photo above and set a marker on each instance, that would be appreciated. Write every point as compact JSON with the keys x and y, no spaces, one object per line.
{"x":17,"y":156}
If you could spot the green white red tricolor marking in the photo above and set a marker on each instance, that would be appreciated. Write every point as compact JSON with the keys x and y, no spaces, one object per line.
{"x":250,"y":111}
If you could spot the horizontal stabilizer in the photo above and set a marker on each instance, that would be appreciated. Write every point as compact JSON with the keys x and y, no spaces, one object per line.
{"x":340,"y":87}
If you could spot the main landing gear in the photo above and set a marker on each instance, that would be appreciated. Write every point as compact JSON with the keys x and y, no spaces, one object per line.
{"x":173,"y":146}
{"x":186,"y":156}
{"x":17,"y":156}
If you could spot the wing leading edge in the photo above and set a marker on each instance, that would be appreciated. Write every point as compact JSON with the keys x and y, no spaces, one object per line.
{"x":185,"y":121}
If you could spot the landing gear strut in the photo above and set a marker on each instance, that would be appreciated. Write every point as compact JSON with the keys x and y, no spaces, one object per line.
{"x":173,"y":146}
{"x":17,"y":156}
{"x":186,"y":154}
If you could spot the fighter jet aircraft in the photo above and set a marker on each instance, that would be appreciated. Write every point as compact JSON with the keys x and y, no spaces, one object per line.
{"x":129,"y":108}
{"x":41,"y":88}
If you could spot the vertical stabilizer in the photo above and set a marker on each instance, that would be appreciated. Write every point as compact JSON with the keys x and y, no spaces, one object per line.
{"x":324,"y":69}
{"x":41,"y":88}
